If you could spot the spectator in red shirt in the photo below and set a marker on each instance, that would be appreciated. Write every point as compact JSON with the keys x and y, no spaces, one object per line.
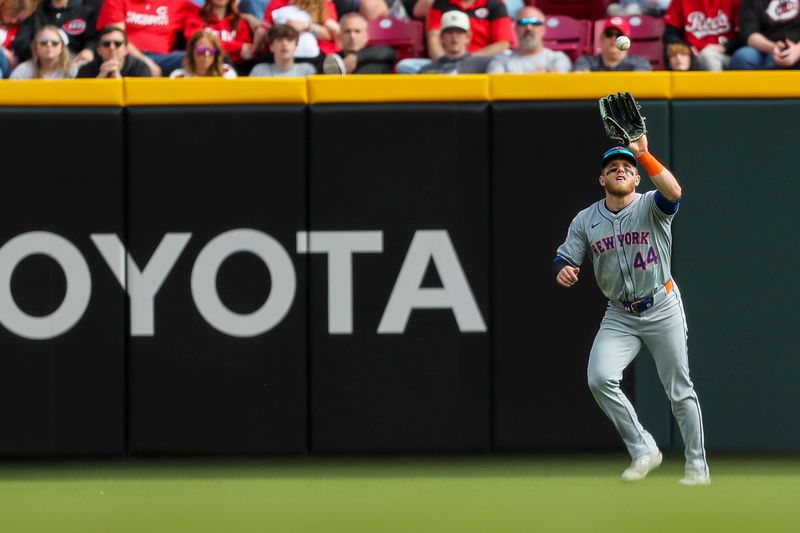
{"x":153,"y":28}
{"x":12,"y":13}
{"x":492,"y":31}
{"x":709,"y":26}
{"x":492,"y":27}
{"x":222,"y":18}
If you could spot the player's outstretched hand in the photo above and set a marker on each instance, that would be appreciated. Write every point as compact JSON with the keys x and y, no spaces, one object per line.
{"x":568,"y":276}
{"x":639,"y":146}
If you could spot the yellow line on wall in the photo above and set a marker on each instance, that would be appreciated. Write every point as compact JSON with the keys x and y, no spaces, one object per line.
{"x":400,"y":88}
{"x":578,"y":85}
{"x":83,"y":92}
{"x":200,"y":91}
{"x":736,"y":84}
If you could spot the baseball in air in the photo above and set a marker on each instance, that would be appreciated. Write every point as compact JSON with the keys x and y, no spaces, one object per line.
{"x":623,"y":43}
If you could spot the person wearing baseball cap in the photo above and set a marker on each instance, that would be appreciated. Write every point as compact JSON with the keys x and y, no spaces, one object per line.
{"x":455,"y":36}
{"x":624,"y":241}
{"x":610,"y":57}
{"x":618,"y":152}
{"x":492,"y":29}
{"x":456,"y":19}
{"x":618,"y":23}
{"x":531,"y":54}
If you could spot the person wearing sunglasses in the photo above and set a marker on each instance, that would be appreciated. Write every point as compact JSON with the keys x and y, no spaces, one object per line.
{"x":204,"y":58}
{"x":610,"y":57}
{"x":531,"y":55}
{"x":153,"y":28}
{"x":224,"y":19}
{"x":78,"y":18}
{"x":50,"y":59}
{"x":112,"y":59}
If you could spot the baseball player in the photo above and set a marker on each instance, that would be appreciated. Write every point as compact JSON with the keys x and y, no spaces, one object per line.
{"x":628,"y":239}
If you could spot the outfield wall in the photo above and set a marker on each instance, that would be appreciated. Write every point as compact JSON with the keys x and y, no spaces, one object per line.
{"x":362,"y":264}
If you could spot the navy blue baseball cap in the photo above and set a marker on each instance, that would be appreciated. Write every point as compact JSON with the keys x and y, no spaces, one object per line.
{"x":616,"y":153}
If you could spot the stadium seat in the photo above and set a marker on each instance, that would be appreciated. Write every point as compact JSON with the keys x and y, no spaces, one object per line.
{"x":407,"y":37}
{"x":569,"y":35}
{"x":578,"y":9}
{"x":646,"y":35}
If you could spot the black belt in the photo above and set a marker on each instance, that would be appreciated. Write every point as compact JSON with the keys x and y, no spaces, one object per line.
{"x":640,"y":306}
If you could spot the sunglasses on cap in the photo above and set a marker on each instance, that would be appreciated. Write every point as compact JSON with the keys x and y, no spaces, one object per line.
{"x":529,"y":21}
{"x":205,"y":50}
{"x":51,"y":42}
{"x":108,"y":43}
{"x":612,"y":33}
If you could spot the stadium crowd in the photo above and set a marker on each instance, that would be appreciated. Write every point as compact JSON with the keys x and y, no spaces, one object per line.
{"x":57,"y":39}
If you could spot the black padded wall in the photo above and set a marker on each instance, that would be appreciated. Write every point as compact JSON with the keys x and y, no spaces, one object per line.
{"x":220,"y":368}
{"x":413,"y":373}
{"x":63,"y":313}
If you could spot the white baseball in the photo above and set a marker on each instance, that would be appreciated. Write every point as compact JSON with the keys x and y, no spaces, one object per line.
{"x":623,"y":43}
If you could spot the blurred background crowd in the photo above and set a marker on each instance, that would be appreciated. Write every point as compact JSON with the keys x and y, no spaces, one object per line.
{"x":57,"y":39}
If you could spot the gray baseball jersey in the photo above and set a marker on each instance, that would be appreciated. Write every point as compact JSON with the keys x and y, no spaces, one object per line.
{"x":631,"y":252}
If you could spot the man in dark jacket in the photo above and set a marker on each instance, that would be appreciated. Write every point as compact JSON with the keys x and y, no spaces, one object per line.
{"x":771,"y":31}
{"x":113,"y":59}
{"x":78,"y":19}
{"x":356,"y":57}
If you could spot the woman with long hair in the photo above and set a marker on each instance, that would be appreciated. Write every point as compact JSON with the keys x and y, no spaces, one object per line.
{"x":204,"y":57}
{"x":77,"y":17}
{"x":222,"y":17}
{"x":50,"y":58}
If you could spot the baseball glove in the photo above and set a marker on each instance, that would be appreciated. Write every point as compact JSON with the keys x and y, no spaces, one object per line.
{"x":622,"y":117}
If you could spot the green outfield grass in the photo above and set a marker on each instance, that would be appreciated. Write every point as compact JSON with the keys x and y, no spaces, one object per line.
{"x":442,"y":494}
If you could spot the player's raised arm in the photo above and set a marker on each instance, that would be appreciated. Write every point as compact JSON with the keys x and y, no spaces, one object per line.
{"x":663,"y":179}
{"x":624,"y":123}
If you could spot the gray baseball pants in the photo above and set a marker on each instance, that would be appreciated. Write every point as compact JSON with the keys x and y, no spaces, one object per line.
{"x":662,"y":329}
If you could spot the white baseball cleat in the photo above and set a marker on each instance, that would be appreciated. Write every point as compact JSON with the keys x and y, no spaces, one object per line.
{"x":642,"y":465}
{"x":696,"y":478}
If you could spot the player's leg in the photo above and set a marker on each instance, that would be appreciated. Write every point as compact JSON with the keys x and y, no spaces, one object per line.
{"x":665,"y":336}
{"x":615,"y":346}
